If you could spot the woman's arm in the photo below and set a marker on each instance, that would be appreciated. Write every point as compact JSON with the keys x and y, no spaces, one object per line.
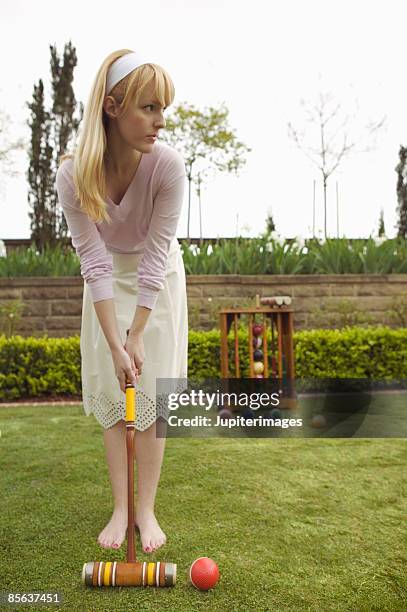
{"x":139,"y":321}
{"x":163,"y":225}
{"x":134,"y":342}
{"x":162,"y":229}
{"x":96,"y":261}
{"x":127,"y":359}
{"x":106,"y":314}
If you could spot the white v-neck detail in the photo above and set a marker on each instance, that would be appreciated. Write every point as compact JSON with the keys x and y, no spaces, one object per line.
{"x":129,"y":187}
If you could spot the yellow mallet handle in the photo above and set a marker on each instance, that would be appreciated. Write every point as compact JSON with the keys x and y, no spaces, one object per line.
{"x":130,"y":399}
{"x":130,"y":403}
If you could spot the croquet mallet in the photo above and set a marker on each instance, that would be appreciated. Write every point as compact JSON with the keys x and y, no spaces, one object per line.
{"x":130,"y":572}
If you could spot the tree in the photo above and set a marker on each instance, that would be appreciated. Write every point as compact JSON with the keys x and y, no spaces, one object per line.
{"x":382,"y":230}
{"x":65,"y":123}
{"x":270,"y":225}
{"x":401,"y":170}
{"x":51,"y":134}
{"x":206,"y":142}
{"x":7,"y":146}
{"x":39,"y":173}
{"x":334,"y":138}
{"x":199,"y":181}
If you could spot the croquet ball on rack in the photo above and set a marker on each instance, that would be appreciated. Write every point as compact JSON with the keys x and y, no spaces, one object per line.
{"x":257,"y":329}
{"x":204,"y":573}
{"x":258,"y":367}
{"x":258,"y":355}
{"x":225,"y":413}
{"x":318,"y":421}
{"x":248,"y":413}
{"x":257,"y":342}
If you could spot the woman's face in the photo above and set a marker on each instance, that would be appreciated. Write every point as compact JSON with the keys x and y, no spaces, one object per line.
{"x":139,"y":125}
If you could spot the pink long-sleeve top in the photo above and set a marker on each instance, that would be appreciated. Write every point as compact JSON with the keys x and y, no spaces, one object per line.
{"x":144,"y":221}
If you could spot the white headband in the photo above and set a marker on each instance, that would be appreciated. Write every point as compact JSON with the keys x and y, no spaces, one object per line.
{"x":122,"y":67}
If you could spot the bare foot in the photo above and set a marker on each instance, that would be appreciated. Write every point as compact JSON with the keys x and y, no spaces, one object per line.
{"x":151,"y":534}
{"x":114,"y":533}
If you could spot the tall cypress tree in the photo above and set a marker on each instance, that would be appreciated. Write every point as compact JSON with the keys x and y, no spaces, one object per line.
{"x":270,"y":225}
{"x":66,"y":115}
{"x":401,"y":170}
{"x":382,"y":230}
{"x":51,"y":134}
{"x":39,"y":173}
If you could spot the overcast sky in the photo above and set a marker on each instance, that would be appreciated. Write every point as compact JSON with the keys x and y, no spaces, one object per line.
{"x":260,"y":58}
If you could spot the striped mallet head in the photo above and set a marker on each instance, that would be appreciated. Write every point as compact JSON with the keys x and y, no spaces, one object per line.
{"x":120,"y":573}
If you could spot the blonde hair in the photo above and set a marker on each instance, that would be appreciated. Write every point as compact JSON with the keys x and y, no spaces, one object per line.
{"x":89,"y":168}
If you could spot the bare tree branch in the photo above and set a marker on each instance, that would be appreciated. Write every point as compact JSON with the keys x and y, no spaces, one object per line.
{"x":334,"y":138}
{"x":8,"y":146}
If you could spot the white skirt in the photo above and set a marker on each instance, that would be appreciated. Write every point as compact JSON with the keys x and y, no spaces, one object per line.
{"x":165,"y":342}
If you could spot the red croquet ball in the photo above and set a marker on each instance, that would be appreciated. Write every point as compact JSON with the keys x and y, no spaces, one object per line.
{"x":204,"y":573}
{"x":257,"y":329}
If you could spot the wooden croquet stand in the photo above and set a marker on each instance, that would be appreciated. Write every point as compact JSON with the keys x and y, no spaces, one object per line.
{"x":280,"y":321}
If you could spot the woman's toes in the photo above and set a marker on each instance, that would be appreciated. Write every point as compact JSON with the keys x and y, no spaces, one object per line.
{"x":114,"y":532}
{"x":158,"y":544}
{"x":150,"y":532}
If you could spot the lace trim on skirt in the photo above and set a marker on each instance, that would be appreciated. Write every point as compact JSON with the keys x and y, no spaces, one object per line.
{"x":108,"y":412}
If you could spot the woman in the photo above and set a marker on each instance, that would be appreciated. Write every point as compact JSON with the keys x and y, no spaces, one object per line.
{"x":121,"y":194}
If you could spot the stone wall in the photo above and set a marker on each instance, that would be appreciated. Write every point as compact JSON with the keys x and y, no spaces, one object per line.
{"x":318,"y":300}
{"x":53,"y":305}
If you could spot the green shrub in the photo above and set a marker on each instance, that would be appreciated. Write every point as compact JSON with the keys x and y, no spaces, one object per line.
{"x":266,"y":254}
{"x":275,"y":255}
{"x":49,"y":367}
{"x":57,"y":261}
{"x":39,"y":367}
{"x":353,"y":352}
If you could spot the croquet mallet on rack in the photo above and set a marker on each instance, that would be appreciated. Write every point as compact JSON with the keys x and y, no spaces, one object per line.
{"x":130,"y":572}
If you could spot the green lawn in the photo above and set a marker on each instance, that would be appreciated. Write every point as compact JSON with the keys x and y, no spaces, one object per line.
{"x":300,"y":524}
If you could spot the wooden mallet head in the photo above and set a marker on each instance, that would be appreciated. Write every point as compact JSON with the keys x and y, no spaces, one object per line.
{"x":120,"y":573}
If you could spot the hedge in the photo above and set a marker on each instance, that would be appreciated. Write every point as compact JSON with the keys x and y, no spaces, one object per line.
{"x":51,"y":367}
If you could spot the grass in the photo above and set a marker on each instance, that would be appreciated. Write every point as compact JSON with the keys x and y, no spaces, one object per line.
{"x":300,"y":524}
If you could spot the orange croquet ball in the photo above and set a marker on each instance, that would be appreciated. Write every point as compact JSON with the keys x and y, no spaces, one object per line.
{"x":204,"y":573}
{"x":318,"y":421}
